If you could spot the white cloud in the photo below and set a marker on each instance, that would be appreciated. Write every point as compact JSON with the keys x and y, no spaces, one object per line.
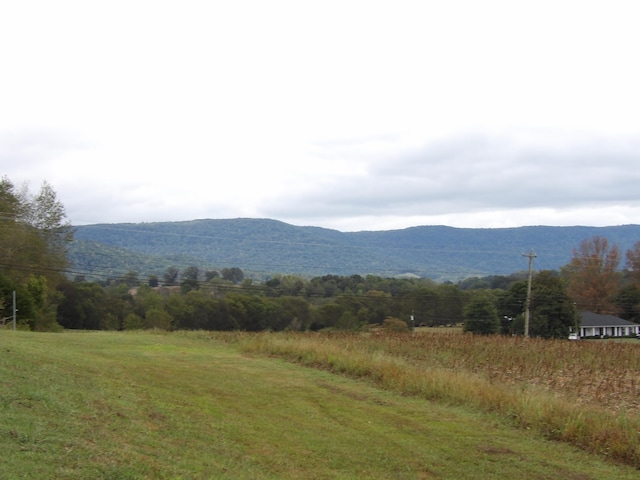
{"x":477,"y":178}
{"x":346,"y":114}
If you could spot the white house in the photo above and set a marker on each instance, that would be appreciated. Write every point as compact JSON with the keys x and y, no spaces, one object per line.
{"x":597,"y":325}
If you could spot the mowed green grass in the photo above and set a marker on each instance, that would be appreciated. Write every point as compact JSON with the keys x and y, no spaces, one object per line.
{"x":104,"y":405}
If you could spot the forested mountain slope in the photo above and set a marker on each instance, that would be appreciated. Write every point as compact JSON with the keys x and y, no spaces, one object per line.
{"x":262,"y":246}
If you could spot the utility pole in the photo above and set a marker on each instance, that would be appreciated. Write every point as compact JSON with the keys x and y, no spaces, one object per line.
{"x":531,"y":256}
{"x":14,"y":309}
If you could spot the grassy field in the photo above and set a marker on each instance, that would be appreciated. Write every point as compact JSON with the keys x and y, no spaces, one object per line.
{"x":100,"y":405}
{"x":583,"y":393}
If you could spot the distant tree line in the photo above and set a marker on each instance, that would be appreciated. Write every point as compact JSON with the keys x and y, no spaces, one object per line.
{"x":34,"y":234}
{"x":227,"y":301}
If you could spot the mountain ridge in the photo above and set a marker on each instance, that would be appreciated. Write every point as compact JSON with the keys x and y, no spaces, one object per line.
{"x":266,"y":247}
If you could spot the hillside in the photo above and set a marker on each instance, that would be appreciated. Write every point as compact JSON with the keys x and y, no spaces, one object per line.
{"x":265,"y":247}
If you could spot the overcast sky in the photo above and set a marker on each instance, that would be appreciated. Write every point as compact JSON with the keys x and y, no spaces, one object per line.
{"x":354,"y":115}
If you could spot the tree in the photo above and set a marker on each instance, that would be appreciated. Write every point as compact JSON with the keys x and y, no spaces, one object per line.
{"x":158,"y":318}
{"x":592,"y":274}
{"x":553,"y":312}
{"x":110,"y":322}
{"x":285,"y":285}
{"x":83,"y":305}
{"x":146,"y":299}
{"x":423,"y":304}
{"x":628,"y":303}
{"x":252,"y":312}
{"x":450,"y":304}
{"x":347,"y":321}
{"x":210,"y":275}
{"x":24,"y":302}
{"x":133,"y":322}
{"x":234,"y":274}
{"x":34,"y":234}
{"x":511,"y":304}
{"x":191,"y":273}
{"x":170,"y":276}
{"x":46,"y":213}
{"x":120,"y":302}
{"x":633,"y":262}
{"x":327,"y":315}
{"x":481,"y":314}
{"x":10,"y":211}
{"x":295,"y":312}
{"x":190,"y":279}
{"x":378,"y":304}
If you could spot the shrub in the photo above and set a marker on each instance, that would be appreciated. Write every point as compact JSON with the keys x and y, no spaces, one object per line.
{"x":392,"y":324}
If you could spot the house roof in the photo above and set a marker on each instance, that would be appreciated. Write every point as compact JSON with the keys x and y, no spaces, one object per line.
{"x":590,"y":319}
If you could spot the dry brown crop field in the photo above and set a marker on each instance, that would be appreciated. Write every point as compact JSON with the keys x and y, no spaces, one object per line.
{"x":586,"y":393}
{"x":593,"y":372}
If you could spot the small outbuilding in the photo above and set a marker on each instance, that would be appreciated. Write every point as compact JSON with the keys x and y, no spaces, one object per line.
{"x":598,"y":325}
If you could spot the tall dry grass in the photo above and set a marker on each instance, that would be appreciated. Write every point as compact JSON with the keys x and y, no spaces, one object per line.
{"x":584,"y":393}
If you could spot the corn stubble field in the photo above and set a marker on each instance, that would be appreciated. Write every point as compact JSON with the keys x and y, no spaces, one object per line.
{"x":201,"y":405}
